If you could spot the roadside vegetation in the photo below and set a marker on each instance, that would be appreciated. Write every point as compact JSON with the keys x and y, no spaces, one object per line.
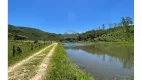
{"x":18,"y":50}
{"x":62,"y":68}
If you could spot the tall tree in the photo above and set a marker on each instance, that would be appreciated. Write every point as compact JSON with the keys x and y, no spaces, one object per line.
{"x":129,"y":20}
{"x":110,"y":25}
{"x":115,"y":25}
{"x":123,"y":22}
{"x":126,"y":22}
{"x":103,"y":26}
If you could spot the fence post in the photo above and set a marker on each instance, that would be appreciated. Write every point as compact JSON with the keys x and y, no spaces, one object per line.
{"x":13,"y":50}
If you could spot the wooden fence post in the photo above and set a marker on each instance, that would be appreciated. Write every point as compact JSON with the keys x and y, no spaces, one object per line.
{"x":13,"y":50}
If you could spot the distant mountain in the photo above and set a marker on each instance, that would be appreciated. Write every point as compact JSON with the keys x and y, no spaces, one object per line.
{"x":70,"y":32}
{"x":32,"y":33}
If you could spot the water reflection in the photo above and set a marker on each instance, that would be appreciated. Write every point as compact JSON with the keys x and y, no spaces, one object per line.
{"x":103,"y":61}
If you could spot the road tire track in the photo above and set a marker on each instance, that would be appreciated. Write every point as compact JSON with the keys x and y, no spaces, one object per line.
{"x":43,"y":66}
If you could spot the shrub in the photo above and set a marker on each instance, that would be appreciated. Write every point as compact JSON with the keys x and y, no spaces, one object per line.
{"x":19,"y":50}
{"x":36,"y":41}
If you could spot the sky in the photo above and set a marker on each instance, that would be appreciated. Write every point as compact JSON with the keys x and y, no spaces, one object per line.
{"x":59,"y":16}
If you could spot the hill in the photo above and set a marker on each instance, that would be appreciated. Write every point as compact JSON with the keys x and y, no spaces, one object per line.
{"x":31,"y":33}
{"x":117,"y":33}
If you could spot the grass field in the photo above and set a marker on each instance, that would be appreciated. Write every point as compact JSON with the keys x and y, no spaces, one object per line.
{"x":26,"y":50}
{"x":62,"y":68}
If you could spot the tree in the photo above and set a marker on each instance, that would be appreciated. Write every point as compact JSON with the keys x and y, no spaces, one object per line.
{"x":123,"y":21}
{"x":103,"y":26}
{"x":110,"y":25}
{"x":129,"y":20}
{"x":126,"y":22}
{"x":115,"y":25}
{"x":99,"y":28}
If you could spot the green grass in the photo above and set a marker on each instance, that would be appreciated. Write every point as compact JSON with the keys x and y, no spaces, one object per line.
{"x":62,"y":68}
{"x":26,"y":50}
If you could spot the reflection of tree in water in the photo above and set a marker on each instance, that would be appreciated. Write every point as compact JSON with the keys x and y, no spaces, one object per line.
{"x":110,"y":59}
{"x":113,"y":59}
{"x":129,"y":60}
{"x":103,"y":57}
{"x":98,"y":55}
{"x":123,"y":53}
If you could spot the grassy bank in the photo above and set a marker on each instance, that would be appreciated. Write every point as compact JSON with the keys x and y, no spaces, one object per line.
{"x":62,"y":68}
{"x":26,"y":50}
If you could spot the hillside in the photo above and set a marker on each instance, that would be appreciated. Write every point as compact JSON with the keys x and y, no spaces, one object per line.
{"x":31,"y":33}
{"x":117,"y":33}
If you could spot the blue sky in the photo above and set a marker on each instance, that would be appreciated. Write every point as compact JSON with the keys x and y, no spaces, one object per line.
{"x":59,"y":16}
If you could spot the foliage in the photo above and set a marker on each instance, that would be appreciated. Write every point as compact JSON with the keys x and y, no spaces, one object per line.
{"x":36,"y":41}
{"x":10,"y":36}
{"x":19,"y":50}
{"x":19,"y":37}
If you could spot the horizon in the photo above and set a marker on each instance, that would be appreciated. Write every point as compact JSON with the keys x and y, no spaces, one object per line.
{"x":61,"y":16}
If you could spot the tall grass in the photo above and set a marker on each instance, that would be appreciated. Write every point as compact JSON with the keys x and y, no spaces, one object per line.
{"x":62,"y":68}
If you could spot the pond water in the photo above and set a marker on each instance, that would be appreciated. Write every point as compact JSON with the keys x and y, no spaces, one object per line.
{"x":103,"y":61}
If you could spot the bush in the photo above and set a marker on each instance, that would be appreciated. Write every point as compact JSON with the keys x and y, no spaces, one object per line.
{"x":19,"y":50}
{"x":36,"y":41}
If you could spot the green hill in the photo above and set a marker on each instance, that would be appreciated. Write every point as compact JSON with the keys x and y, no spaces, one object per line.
{"x":31,"y":33}
{"x":117,"y":34}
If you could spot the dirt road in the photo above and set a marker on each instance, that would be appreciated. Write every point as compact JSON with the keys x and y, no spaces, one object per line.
{"x":32,"y":66}
{"x":43,"y":66}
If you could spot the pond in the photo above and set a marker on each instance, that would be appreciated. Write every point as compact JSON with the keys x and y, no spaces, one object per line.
{"x":103,"y":61}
